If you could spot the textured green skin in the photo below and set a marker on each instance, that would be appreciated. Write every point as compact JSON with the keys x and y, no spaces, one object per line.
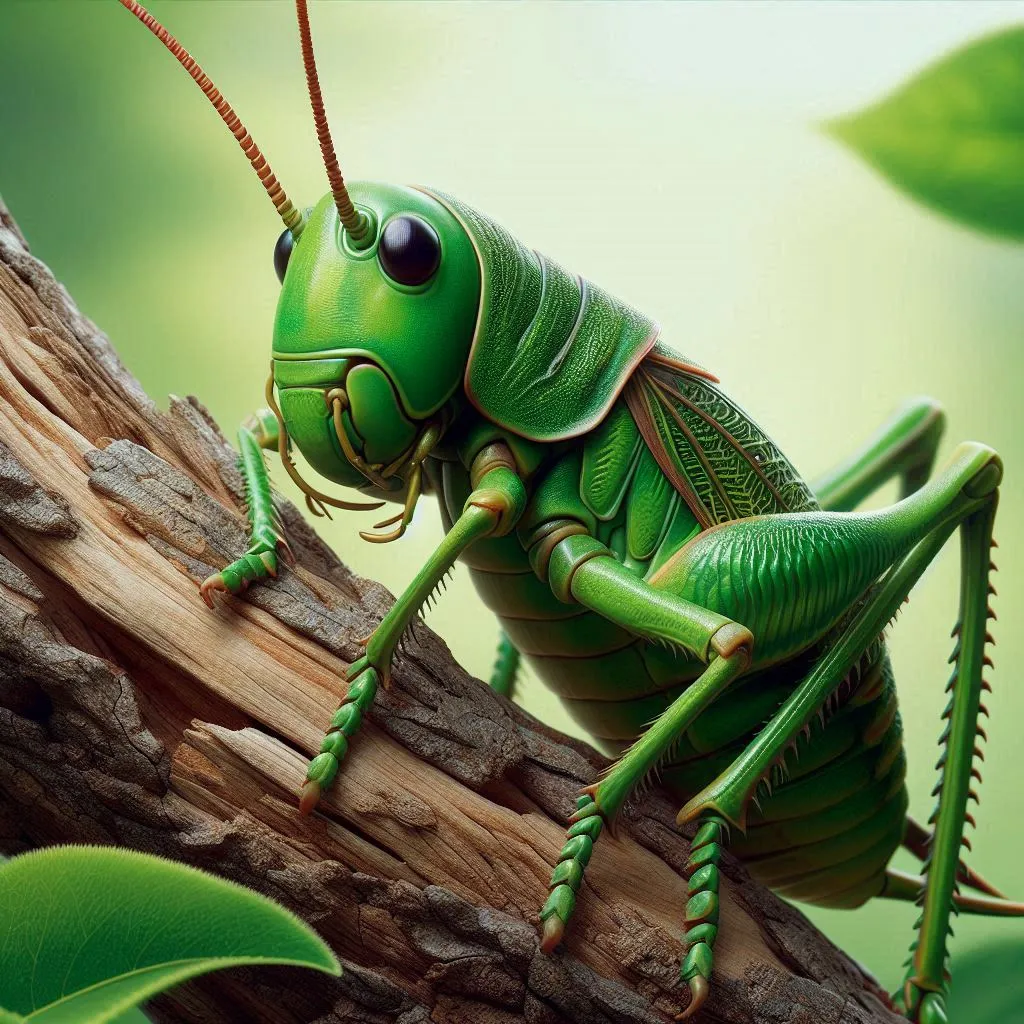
{"x":551,"y":350}
{"x":652,"y":554}
{"x":614,"y":684}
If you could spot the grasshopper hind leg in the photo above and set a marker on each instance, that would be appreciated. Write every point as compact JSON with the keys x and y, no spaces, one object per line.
{"x":925,"y":985}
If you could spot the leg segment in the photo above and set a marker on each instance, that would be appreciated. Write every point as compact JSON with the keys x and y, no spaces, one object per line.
{"x":267,"y":541}
{"x":602,"y":801}
{"x":581,"y":568}
{"x":917,"y":840}
{"x":506,"y":667}
{"x":492,"y":509}
{"x":702,"y":910}
{"x":345,"y":724}
{"x":905,"y":446}
{"x":964,"y":489}
{"x":925,"y":985}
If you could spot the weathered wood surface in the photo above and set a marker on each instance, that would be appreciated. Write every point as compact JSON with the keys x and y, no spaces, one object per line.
{"x":131,"y":714}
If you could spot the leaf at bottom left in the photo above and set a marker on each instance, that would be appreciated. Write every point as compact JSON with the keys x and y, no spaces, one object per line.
{"x":88,"y":932}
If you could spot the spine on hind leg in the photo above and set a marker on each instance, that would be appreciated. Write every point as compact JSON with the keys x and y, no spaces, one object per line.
{"x":956,"y":765}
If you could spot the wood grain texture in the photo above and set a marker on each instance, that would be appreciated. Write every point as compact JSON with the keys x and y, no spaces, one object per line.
{"x":130,"y":714}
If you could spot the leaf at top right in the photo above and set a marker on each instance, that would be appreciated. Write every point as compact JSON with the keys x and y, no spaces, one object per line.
{"x":953,"y":136}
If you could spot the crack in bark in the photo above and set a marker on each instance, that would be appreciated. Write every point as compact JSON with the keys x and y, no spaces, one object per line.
{"x":24,"y":503}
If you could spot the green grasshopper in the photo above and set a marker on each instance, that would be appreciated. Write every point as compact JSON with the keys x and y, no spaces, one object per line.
{"x":702,"y":611}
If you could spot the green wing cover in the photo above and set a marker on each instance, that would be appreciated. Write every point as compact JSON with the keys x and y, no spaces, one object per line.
{"x":721,"y":463}
{"x":551,"y":351}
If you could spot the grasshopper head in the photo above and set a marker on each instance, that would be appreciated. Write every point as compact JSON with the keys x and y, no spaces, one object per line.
{"x":371,"y":341}
{"x":376,"y":316}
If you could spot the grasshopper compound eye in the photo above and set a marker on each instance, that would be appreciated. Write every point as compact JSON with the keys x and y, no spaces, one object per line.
{"x":282,"y":253}
{"x":410,"y":251}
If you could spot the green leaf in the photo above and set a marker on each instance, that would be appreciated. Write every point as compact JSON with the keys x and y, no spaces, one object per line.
{"x":6,"y":1017}
{"x":86,"y":932}
{"x":132,"y":1016}
{"x":988,"y":987}
{"x":953,"y":136}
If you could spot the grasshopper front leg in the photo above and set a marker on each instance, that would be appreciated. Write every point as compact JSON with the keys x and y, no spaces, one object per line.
{"x":267,"y":540}
{"x":492,"y":510}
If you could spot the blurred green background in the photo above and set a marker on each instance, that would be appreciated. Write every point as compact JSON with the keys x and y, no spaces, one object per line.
{"x":666,"y":152}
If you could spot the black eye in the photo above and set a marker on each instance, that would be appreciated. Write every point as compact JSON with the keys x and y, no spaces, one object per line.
{"x":282,"y":251}
{"x":409,"y":251}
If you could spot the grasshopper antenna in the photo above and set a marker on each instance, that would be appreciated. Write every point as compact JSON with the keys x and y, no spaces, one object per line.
{"x":293,"y":219}
{"x":356,"y":223}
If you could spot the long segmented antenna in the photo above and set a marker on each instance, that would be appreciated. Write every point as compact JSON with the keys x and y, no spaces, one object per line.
{"x":356,"y":223}
{"x":293,"y":219}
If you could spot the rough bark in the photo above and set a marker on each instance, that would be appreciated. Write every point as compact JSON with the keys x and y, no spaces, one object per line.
{"x":130,"y":714}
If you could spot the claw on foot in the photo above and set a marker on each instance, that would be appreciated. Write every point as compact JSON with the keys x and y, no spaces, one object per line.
{"x":284,"y":549}
{"x":567,"y":876}
{"x":554,"y":929}
{"x":699,"y":989}
{"x":309,"y":797}
{"x":209,"y":586}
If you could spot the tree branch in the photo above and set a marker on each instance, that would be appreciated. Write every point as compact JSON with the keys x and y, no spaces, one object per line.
{"x":130,"y":714}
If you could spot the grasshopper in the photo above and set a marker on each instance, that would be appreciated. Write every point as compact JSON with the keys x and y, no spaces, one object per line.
{"x":703,"y":612}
